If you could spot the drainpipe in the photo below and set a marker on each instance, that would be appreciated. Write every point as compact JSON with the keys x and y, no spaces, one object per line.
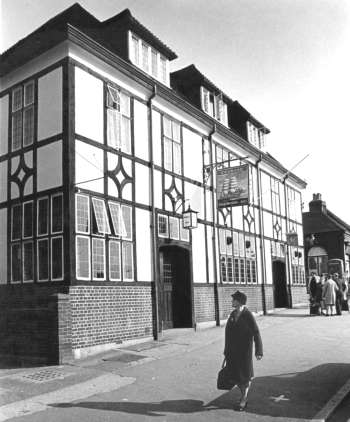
{"x":261,"y":231}
{"x":153,"y":223}
{"x":216,"y":292}
{"x":290,"y":301}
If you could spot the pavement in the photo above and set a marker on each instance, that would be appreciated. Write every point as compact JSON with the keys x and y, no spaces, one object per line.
{"x":304,"y":376}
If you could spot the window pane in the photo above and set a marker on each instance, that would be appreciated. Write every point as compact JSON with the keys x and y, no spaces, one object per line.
{"x":83,"y":257}
{"x":114,"y":260}
{"x":167,"y":127}
{"x":223,"y":268}
{"x":135,"y":49}
{"x":16,"y":231}
{"x":116,"y":218}
{"x":98,"y":259}
{"x":28,"y":261}
{"x":127,"y":222}
{"x":101,"y":215}
{"x":128,"y":273}
{"x":17,"y":130}
{"x":126,"y":137}
{"x":57,"y":213}
{"x":222,"y":241}
{"x":229,"y":268}
{"x":162,"y":226}
{"x":113,"y":128}
{"x":113,"y":98}
{"x":17,"y":99}
{"x":174,"y":228}
{"x":43,"y":260}
{"x":162,"y":70}
{"x":28,"y":219}
{"x":242,"y":272}
{"x":82,"y":214}
{"x":176,"y":131}
{"x":28,"y":130}
{"x":124,"y":104}
{"x":43,"y":214}
{"x":57,"y":258}
{"x":145,"y":57}
{"x":29,"y":93}
{"x":168,"y":154}
{"x":184,"y":233}
{"x":154,"y":63}
{"x":177,"y":158}
{"x":16,"y":262}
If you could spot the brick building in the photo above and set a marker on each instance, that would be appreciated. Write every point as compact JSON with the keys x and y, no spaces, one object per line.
{"x":101,"y":150}
{"x":326,"y":237}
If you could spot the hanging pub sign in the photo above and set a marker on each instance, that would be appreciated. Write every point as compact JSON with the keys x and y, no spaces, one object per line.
{"x":292,"y":239}
{"x":232,"y":185}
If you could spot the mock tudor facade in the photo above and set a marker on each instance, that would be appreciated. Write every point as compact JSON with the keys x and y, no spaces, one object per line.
{"x":101,"y":150}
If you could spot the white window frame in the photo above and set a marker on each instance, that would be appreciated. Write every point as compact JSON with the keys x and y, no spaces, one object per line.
{"x":96,"y":240}
{"x":123,"y":227}
{"x":41,"y":240}
{"x":164,"y":235}
{"x":87,"y":238}
{"x":51,"y":214}
{"x":174,"y":222}
{"x":62,"y":266}
{"x":120,"y":259}
{"x":86,"y":197}
{"x":33,"y":210}
{"x":104,"y":227}
{"x":47,"y":199}
{"x":33,"y":259}
{"x":131,"y":245}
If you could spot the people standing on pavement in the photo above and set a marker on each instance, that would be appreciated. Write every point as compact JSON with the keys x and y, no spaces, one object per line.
{"x":344,"y":293}
{"x":312,"y":286}
{"x":241,"y":330}
{"x":338,"y":295}
{"x":318,"y":296}
{"x":329,"y":295}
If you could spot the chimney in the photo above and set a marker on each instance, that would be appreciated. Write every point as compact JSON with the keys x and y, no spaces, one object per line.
{"x":317,"y":205}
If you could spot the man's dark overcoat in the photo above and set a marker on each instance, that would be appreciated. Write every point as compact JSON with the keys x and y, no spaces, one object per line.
{"x":238,"y":351}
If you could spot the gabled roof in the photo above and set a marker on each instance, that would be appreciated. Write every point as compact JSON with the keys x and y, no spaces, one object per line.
{"x":250,"y":117}
{"x":320,"y":221}
{"x":191,"y":74}
{"x":54,"y":31}
{"x":126,"y":18}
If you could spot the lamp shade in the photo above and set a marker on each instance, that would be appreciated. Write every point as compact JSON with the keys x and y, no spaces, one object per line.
{"x":189,"y":219}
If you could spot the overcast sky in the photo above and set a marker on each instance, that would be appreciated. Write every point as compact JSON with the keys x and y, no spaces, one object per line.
{"x":286,"y":61}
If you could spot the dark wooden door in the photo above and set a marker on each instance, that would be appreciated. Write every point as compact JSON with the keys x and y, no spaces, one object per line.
{"x":166,"y":290}
{"x":280,"y":284}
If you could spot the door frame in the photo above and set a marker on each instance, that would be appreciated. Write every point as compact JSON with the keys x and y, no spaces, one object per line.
{"x":280,"y":261}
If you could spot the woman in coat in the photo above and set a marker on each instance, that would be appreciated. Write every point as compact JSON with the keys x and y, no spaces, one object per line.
{"x":240,"y":331}
{"x":330,"y":289}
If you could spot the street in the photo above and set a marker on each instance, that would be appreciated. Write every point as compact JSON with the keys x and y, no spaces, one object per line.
{"x":304,"y":375}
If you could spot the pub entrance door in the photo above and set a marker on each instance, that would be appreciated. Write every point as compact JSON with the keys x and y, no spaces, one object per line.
{"x":175,"y":299}
{"x":280,"y":284}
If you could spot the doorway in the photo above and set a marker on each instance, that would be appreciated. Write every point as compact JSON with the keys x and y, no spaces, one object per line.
{"x":175,"y":298}
{"x":280,"y":284}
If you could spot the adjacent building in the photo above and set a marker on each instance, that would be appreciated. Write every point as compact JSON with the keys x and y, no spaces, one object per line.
{"x":102,"y":150}
{"x":326,"y":238}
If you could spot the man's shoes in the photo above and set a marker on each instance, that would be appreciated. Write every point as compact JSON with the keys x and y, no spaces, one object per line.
{"x":242,"y":406}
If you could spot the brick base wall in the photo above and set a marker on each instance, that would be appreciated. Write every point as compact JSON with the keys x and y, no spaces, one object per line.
{"x":110,"y":314}
{"x":270,"y":301}
{"x":254,"y":298}
{"x":31,"y":330}
{"x":204,"y":303}
{"x":299,"y":295}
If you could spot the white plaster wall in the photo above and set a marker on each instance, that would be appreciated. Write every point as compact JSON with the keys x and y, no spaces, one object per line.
{"x":192,"y":150}
{"x":268,"y":262}
{"x":258,"y":261}
{"x":4,"y":115}
{"x":3,"y":246}
{"x":211,"y":273}
{"x":237,"y":218}
{"x":157,"y":189}
{"x":195,"y":196}
{"x":49,"y":166}
{"x":142,"y":184}
{"x":156,"y":138}
{"x":265,"y":191}
{"x":198,"y":254}
{"x":88,"y":165}
{"x":50,"y":104}
{"x":143,"y":245}
{"x":267,"y":222}
{"x":3,"y":181}
{"x":141,"y":130}
{"x":88,"y":105}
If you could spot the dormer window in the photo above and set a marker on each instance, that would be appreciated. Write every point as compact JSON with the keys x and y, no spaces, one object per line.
{"x":214,"y":105}
{"x":256,"y":136}
{"x":148,"y":59}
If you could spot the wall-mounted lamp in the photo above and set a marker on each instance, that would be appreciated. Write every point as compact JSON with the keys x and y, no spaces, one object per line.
{"x":189,"y":219}
{"x":247,"y":244}
{"x":229,"y":240}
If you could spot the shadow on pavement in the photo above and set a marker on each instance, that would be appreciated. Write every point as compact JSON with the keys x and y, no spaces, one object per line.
{"x":306,"y":315}
{"x":292,"y":395}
